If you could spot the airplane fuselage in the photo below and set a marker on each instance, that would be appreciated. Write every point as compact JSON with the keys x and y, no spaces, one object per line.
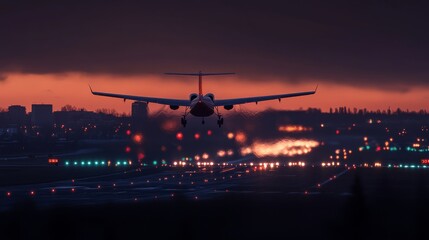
{"x":202,"y":106}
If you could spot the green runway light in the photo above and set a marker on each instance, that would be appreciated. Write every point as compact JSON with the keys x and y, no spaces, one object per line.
{"x":75,"y":163}
{"x":89,"y":163}
{"x":155,"y":162}
{"x":82,"y":163}
{"x":102,"y":162}
{"x":67,"y":163}
{"x":96,"y":162}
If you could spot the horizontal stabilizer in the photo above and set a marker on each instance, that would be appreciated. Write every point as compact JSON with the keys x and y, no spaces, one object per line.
{"x":199,"y":74}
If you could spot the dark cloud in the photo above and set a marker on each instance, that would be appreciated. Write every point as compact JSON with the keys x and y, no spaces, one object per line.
{"x":374,"y":43}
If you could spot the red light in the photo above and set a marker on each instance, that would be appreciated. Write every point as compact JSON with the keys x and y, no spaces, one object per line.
{"x":197,"y":136}
{"x":179,"y":136}
{"x":337,"y":132}
{"x":378,"y":149}
{"x":128,"y":132}
{"x":138,"y":138}
{"x":127,"y":149}
{"x":53,"y":190}
{"x":32,"y":193}
{"x":72,"y":189}
{"x":53,"y":160}
{"x":209,"y":132}
{"x":8,"y":194}
{"x":140,"y":156}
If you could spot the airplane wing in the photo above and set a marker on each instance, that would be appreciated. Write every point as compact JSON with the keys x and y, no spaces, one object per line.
{"x":164,"y":101}
{"x":235,"y":101}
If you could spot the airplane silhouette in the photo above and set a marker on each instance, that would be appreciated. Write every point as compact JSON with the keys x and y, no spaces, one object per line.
{"x":201,"y":105}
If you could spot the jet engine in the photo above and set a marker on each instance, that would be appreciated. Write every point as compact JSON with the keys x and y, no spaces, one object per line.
{"x":210,"y":95}
{"x":228,"y":107}
{"x":192,"y":96}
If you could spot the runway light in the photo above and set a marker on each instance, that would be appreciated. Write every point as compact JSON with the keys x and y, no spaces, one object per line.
{"x":67,"y":163}
{"x":230,"y":135}
{"x":53,"y":190}
{"x":179,"y":136}
{"x":32,"y":193}
{"x":197,"y":136}
{"x":8,"y":194}
{"x":240,"y":137}
{"x":138,"y":138}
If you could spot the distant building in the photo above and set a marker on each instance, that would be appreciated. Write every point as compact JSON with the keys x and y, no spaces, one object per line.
{"x":17,"y":115}
{"x":41,"y":115}
{"x":139,"y":115}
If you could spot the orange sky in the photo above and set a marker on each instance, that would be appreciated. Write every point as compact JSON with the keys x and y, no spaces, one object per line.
{"x":72,"y":88}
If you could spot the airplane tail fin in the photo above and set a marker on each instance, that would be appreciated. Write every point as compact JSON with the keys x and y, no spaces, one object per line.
{"x":200,"y":77}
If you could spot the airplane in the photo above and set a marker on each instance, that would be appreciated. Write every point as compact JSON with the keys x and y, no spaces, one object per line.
{"x":202,"y":105}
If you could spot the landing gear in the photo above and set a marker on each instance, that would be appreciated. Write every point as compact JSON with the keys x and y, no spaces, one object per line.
{"x":183,"y":119}
{"x":220,"y":118}
{"x":220,"y":121}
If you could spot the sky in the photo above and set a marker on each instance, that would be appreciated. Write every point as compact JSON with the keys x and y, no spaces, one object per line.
{"x":364,"y":54}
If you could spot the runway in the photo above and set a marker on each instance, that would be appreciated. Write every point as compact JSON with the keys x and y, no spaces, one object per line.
{"x":70,"y":185}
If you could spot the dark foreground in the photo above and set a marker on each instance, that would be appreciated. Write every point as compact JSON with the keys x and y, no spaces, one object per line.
{"x":365,"y":204}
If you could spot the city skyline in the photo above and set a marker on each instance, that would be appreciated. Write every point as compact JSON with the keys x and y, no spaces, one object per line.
{"x":57,"y":90}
